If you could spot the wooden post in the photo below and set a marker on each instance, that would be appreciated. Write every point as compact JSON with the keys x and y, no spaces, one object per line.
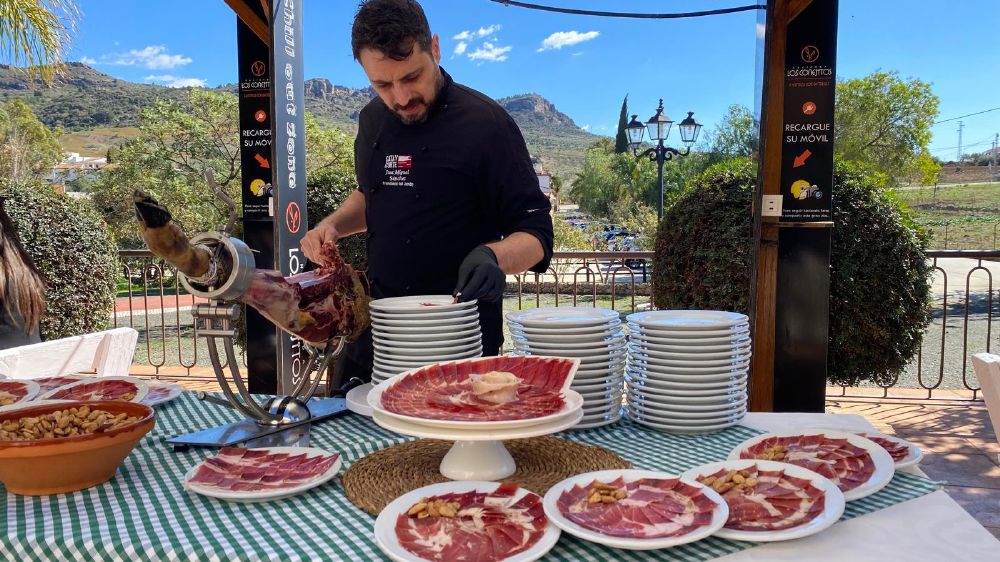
{"x":765,"y":271}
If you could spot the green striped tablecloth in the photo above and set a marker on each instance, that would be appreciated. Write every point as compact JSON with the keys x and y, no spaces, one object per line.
{"x":144,"y":513}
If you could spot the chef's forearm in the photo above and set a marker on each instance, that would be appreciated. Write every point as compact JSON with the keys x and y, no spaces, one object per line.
{"x":349,"y":218}
{"x":518,"y":252}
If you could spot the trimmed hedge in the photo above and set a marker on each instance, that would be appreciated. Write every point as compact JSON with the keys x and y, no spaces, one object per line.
{"x":879,"y":277}
{"x":76,"y":255}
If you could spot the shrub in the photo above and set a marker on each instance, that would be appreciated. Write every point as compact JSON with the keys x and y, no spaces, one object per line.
{"x":879,"y":277}
{"x":72,"y":248}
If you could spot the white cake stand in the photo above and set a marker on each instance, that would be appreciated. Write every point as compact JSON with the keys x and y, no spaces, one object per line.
{"x":479,"y":454}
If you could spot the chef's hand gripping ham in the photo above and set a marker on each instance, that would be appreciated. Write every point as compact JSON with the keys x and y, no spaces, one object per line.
{"x":316,"y":306}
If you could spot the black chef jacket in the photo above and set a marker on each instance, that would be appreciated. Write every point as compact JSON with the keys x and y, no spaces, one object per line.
{"x":436,"y":190}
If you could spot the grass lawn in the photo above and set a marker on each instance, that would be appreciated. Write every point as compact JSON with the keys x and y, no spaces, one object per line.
{"x":959,"y":217}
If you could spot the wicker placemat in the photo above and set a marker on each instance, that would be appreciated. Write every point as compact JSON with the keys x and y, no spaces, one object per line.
{"x":377,"y":479}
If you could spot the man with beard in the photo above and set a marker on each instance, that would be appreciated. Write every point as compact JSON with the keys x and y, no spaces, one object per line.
{"x":446,"y":189}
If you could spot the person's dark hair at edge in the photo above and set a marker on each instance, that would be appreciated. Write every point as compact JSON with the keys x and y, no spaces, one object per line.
{"x":22,"y":290}
{"x":391,"y":27}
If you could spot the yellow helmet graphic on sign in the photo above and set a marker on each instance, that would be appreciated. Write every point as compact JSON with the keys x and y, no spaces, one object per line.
{"x":258,"y":187}
{"x":802,"y":189}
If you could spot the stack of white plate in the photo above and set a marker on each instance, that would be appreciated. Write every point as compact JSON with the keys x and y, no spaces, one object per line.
{"x":687,"y":369}
{"x":411,"y":332}
{"x":595,"y":336}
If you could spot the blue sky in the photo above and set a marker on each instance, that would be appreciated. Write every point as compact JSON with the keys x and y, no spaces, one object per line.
{"x":589,"y":64}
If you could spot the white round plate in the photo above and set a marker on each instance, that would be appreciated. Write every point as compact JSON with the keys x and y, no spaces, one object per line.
{"x":884,"y":468}
{"x":421,"y":336}
{"x":702,"y":396}
{"x":555,"y":338}
{"x":652,"y":406}
{"x":692,"y":343}
{"x":381,"y":341}
{"x":172,"y":390}
{"x":608,"y":385}
{"x":667,"y":376}
{"x":385,"y":524}
{"x":563,"y":332}
{"x":430,"y":314}
{"x":655,"y":352}
{"x":704,"y":336}
{"x":410,"y":362}
{"x":462,"y":322}
{"x":448,"y":434}
{"x":30,"y":404}
{"x":720,"y":387}
{"x":833,"y":504}
{"x":572,"y":402}
{"x":686,"y":401}
{"x":913,"y":457}
{"x":433,"y":332}
{"x":658,"y":366}
{"x":682,"y":346}
{"x":48,"y":383}
{"x":652,"y":357}
{"x":563,"y":316}
{"x":357,"y":400}
{"x":426,"y":351}
{"x":29,"y":387}
{"x":683,"y":418}
{"x":719,"y":515}
{"x":686,"y":429}
{"x":141,"y":387}
{"x":267,"y":495}
{"x":688,"y":319}
{"x":419,"y":304}
{"x":617,"y":342}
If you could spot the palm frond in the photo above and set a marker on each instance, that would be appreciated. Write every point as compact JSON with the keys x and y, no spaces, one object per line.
{"x":35,"y":33}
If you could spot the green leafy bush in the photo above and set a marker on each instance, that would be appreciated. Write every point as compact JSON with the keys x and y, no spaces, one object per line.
{"x":879,"y":277}
{"x":328,"y":188}
{"x":72,"y":248}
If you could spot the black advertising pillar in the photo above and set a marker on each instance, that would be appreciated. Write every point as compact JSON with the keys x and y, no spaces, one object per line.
{"x":802,"y":314}
{"x":255,"y":165}
{"x":288,"y":163}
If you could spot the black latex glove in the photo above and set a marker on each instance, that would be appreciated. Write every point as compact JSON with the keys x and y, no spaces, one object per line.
{"x":480,"y":277}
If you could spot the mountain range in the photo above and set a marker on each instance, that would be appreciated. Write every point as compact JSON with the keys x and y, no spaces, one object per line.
{"x":96,"y":110}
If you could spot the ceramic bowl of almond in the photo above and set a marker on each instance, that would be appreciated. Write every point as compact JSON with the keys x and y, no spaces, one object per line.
{"x":68,"y":446}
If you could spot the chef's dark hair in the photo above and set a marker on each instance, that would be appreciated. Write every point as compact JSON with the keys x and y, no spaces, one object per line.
{"x":391,"y":27}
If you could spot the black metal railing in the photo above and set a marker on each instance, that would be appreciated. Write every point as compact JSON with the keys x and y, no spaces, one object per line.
{"x":963,"y":320}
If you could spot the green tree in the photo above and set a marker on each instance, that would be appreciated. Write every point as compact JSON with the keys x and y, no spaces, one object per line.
{"x":27,"y":148}
{"x":736,"y":135}
{"x":621,"y":139}
{"x":35,"y":33}
{"x":885,"y":122}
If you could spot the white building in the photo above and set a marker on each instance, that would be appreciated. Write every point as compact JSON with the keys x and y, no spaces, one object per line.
{"x":73,"y":166}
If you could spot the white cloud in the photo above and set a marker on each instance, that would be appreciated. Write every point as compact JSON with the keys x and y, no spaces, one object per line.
{"x":561,"y":39}
{"x":463,"y":36}
{"x":761,"y":30}
{"x":88,"y":60}
{"x":585,"y":127}
{"x":172,"y":81}
{"x":577,"y":53}
{"x":490,"y":52}
{"x":153,"y":57}
{"x":487,"y":31}
{"x":460,"y":49}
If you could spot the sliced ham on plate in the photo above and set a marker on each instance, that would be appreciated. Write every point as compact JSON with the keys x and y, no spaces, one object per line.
{"x":647,"y":508}
{"x":482,"y":521}
{"x":635,"y":509}
{"x":161,"y":393}
{"x":480,"y":390}
{"x":903,"y":452}
{"x":127,"y":389}
{"x":771,"y":501}
{"x":14,"y":391}
{"x":47,"y":384}
{"x":241,"y":474}
{"x":856,"y":465}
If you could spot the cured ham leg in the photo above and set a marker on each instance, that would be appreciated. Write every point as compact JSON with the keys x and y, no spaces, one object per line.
{"x":316,"y":306}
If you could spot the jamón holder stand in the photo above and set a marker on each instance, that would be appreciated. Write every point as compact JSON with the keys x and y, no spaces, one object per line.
{"x":278,"y":421}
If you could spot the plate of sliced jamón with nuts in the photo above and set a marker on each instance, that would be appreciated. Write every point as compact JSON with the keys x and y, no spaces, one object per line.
{"x":635,"y":509}
{"x":769,"y":500}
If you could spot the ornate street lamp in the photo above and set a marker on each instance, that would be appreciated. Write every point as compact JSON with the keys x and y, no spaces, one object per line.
{"x":659,"y":129}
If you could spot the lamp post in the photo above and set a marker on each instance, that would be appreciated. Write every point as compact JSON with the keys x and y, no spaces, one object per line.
{"x":659,"y":128}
